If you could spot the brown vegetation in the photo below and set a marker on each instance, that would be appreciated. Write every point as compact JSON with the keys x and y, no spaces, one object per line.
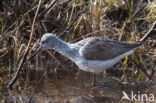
{"x":73,"y":20}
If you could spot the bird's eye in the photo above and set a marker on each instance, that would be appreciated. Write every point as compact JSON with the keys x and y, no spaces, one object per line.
{"x":43,"y":42}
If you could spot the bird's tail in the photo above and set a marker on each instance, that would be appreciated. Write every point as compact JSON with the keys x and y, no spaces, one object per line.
{"x":151,"y":32}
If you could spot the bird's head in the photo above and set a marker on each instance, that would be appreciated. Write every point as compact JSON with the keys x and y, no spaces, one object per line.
{"x":48,"y":41}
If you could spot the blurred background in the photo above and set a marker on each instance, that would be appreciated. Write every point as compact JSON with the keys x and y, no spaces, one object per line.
{"x":52,"y":78}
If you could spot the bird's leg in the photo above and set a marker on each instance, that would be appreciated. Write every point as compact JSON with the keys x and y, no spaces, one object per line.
{"x":94,"y":79}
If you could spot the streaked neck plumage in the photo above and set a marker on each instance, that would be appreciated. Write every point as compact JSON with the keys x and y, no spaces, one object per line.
{"x":66,"y":49}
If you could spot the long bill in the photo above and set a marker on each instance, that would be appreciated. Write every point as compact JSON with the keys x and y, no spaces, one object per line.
{"x":33,"y":55}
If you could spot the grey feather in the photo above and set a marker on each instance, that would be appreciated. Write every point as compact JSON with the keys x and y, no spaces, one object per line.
{"x":97,"y":48}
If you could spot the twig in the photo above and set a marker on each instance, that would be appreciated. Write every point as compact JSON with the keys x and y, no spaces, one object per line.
{"x":138,"y":8}
{"x":143,"y":69}
{"x":3,"y":55}
{"x":145,"y":37}
{"x":26,"y":51}
{"x":149,"y":33}
{"x":46,"y":10}
{"x":69,"y":26}
{"x":153,"y":71}
{"x":22,"y":16}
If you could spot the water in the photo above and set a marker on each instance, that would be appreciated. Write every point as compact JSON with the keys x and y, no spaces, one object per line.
{"x":67,"y":86}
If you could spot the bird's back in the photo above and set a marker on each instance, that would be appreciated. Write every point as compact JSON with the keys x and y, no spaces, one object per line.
{"x":99,"y":48}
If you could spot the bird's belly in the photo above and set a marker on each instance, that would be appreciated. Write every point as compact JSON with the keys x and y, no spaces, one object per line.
{"x":100,"y":65}
{"x":95,"y":66}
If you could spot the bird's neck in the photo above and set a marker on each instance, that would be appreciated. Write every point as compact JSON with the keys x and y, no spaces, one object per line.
{"x":65,"y":49}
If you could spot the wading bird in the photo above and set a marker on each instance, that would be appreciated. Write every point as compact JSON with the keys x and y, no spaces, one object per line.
{"x":93,"y":54}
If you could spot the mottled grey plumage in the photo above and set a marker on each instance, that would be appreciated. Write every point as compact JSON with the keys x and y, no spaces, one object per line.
{"x":92,"y":54}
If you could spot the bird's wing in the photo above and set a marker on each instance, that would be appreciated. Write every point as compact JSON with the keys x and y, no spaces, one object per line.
{"x":104,"y":49}
{"x":81,"y":43}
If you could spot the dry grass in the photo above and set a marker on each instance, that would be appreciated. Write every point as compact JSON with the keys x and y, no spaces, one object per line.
{"x":127,"y":21}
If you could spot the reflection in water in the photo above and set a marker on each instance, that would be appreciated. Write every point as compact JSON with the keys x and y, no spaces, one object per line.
{"x":68,"y":87}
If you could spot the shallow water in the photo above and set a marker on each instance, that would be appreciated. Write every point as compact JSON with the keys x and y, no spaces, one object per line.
{"x":66,"y":86}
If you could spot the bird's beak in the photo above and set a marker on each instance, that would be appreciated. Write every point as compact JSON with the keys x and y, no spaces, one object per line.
{"x":36,"y":51}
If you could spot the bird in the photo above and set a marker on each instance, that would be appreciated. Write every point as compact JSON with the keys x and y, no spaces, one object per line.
{"x":92,"y":54}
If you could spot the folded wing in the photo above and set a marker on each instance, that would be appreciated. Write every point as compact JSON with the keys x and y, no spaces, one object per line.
{"x":104,"y":49}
